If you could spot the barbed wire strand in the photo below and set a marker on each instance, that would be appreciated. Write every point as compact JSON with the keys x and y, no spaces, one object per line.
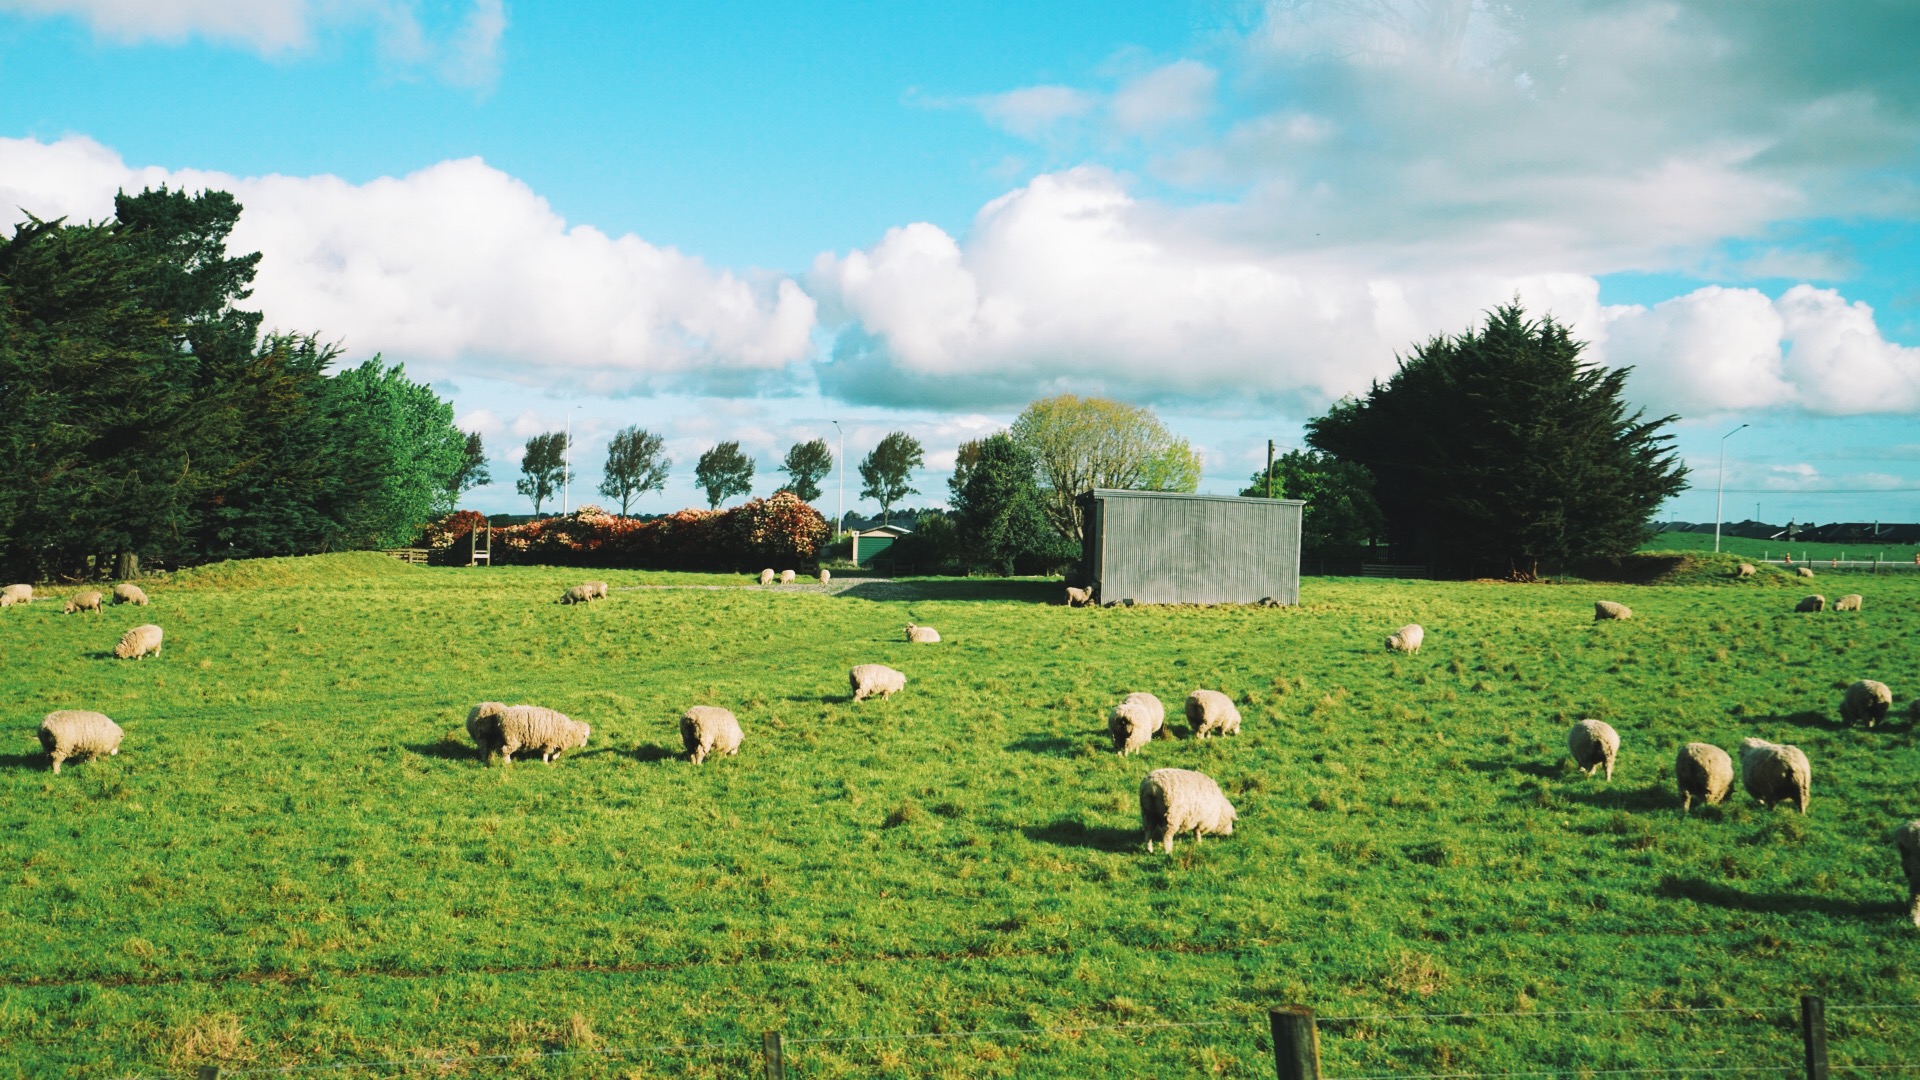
{"x":1531,"y":1013}
{"x":1077,"y":1029}
{"x":1699,"y":1069}
{"x":1872,"y":1007}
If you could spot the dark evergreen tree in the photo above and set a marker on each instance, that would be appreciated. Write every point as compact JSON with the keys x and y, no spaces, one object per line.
{"x":1340,"y":519}
{"x":1501,"y":450}
{"x":999,"y":512}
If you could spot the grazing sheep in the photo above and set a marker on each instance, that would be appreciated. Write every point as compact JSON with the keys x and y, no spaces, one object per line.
{"x":786,"y":577}
{"x":1593,"y":744}
{"x":1702,"y":771}
{"x":1135,"y":721}
{"x":1849,"y":602}
{"x":1174,"y":801}
{"x":1210,"y":712}
{"x":483,"y":726}
{"x":1079,"y":597}
{"x":870,"y":679}
{"x":136,"y":643}
{"x":16,"y":594}
{"x":1746,"y":570}
{"x":75,"y":733}
{"x":1772,"y":772}
{"x":1866,"y":700}
{"x":1816,"y":602}
{"x":922,"y":635}
{"x":599,"y":589}
{"x":1607,"y":609}
{"x":84,"y":601}
{"x":826,"y":575}
{"x":1806,"y":571}
{"x":1406,"y":639}
{"x":530,"y":727}
{"x":579,"y":594}
{"x":1907,"y":839}
{"x":124,"y":593}
{"x":707,"y":730}
{"x":766,"y":576}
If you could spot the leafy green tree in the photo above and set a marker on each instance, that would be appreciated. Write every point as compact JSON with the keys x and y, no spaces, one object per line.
{"x":884,"y":472}
{"x":473,"y":471}
{"x":723,"y":471}
{"x":1500,"y":449}
{"x":1340,"y":519}
{"x":806,"y":464}
{"x":1083,"y":443}
{"x":635,"y":466}
{"x":998,"y":510}
{"x":543,"y":466}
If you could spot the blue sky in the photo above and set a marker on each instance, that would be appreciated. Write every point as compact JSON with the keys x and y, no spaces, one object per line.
{"x":743,"y":221}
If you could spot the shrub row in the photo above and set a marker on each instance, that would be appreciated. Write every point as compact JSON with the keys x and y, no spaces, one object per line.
{"x":779,"y":531}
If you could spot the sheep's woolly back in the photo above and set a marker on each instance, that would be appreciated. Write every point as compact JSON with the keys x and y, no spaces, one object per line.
{"x":72,"y":733}
{"x":1593,"y":744}
{"x":598,"y":588}
{"x":706,"y":730}
{"x":1746,"y":570}
{"x":766,"y":577}
{"x":868,"y":680}
{"x":1081,"y":597}
{"x":1774,"y":772}
{"x":530,"y":727}
{"x":922,"y":635}
{"x":1135,"y":721}
{"x":1849,"y":602}
{"x":16,"y":594}
{"x":1906,"y":839}
{"x":1806,"y":571}
{"x":786,"y":577}
{"x":826,"y":575}
{"x":1406,"y":639}
{"x":83,"y":601}
{"x":1702,"y":771}
{"x":136,"y":643}
{"x":1607,"y":609}
{"x":1815,"y":602}
{"x":1210,"y":712}
{"x":1174,"y":801}
{"x":483,"y":727}
{"x":1866,"y":700}
{"x":579,"y":594}
{"x":124,"y":593}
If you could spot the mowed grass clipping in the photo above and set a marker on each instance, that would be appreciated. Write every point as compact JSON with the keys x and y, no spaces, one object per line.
{"x":296,"y":859}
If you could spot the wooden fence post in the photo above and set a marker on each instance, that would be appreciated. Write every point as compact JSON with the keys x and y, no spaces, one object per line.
{"x":1296,"y":1043}
{"x":770,"y":1050}
{"x":1813,"y":1029}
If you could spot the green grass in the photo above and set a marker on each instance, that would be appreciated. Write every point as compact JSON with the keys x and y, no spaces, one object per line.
{"x":1801,"y":551}
{"x":297,"y":860}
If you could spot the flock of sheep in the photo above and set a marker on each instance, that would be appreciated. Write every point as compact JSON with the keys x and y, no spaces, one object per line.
{"x":1172,"y":801}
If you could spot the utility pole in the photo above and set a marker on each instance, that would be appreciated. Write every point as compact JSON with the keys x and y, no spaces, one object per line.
{"x":1269,"y":468}
{"x":840,"y":501}
{"x":566,"y":470}
{"x":1719,"y":500}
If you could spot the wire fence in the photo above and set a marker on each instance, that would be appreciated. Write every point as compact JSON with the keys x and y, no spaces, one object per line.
{"x":1285,"y":1043}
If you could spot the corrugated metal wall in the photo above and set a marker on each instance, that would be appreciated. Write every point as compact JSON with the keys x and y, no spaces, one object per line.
{"x":1162,"y":548}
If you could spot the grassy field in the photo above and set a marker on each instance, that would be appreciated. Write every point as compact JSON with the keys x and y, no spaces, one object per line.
{"x":297,"y":860}
{"x":1774,"y":549}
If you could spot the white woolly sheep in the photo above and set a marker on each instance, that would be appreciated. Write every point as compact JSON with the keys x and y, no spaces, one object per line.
{"x":786,"y":577}
{"x":76,"y":733}
{"x":1773,"y":772}
{"x":1815,"y":602}
{"x":826,"y":575}
{"x":1746,"y":570}
{"x":1906,"y":838}
{"x":922,"y":635}
{"x":706,"y":730}
{"x":1593,"y":744}
{"x":868,"y":680}
{"x":1607,"y":609}
{"x":1174,"y":801}
{"x":1210,"y":712}
{"x":83,"y":601}
{"x":1849,"y":602}
{"x":1079,"y":597}
{"x":1406,"y":639}
{"x":16,"y":594}
{"x":1135,"y":721}
{"x":599,"y":589}
{"x":766,"y":576}
{"x":124,"y":593}
{"x":1702,"y":771}
{"x":1866,"y":700}
{"x":1806,"y":571}
{"x":530,"y":727}
{"x":136,"y":643}
{"x":483,"y":727}
{"x":579,"y":594}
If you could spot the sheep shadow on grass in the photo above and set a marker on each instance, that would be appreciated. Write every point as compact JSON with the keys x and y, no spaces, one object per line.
{"x":1653,"y":797}
{"x":25,"y":761}
{"x":1528,"y":768}
{"x":656,"y":752}
{"x":1069,"y":832}
{"x":1806,"y":718}
{"x":1718,"y":895}
{"x":445,"y":750}
{"x":1051,"y":745}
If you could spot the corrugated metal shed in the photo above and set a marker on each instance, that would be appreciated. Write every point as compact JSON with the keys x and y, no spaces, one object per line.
{"x":1158,"y":547}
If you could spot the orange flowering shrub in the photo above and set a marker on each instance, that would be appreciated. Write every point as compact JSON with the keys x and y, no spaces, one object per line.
{"x":780,"y":530}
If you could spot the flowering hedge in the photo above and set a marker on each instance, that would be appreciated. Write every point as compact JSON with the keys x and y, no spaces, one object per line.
{"x":780,"y":531}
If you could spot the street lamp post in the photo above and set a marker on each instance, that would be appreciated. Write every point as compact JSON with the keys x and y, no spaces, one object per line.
{"x":840,"y":500}
{"x":1719,"y":499}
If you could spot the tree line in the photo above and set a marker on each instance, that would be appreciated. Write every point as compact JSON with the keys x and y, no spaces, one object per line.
{"x":145,"y":418}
